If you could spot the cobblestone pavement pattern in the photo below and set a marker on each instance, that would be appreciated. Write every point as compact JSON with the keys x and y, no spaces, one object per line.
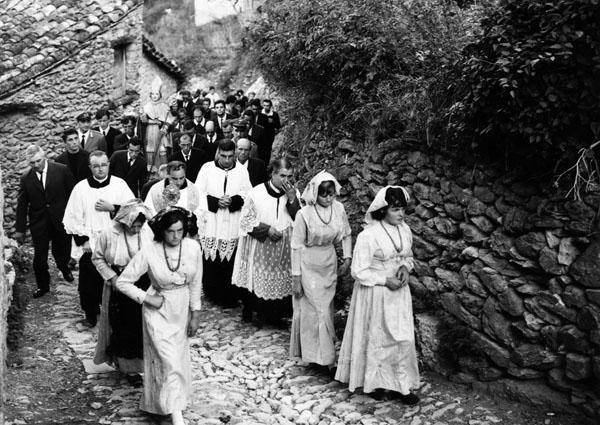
{"x":241,"y":375}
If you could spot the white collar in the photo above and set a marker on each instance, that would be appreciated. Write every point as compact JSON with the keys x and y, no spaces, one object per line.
{"x":245,"y":164}
{"x":45,"y":170}
{"x":100,"y":181}
{"x":86,"y":134}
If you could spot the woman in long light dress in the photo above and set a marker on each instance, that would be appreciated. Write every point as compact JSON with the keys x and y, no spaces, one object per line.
{"x":319,"y":225}
{"x":120,"y":331}
{"x":170,"y":310}
{"x":378,"y":349}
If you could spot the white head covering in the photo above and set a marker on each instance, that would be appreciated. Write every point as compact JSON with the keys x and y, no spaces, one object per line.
{"x":312,"y":189}
{"x":130,"y":211}
{"x":380,"y":202}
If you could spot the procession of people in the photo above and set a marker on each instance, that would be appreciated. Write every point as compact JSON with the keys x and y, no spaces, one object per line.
{"x":188,"y":202}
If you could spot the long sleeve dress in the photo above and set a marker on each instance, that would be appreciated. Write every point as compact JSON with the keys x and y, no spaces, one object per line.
{"x":314,"y":258}
{"x":120,"y":331}
{"x":378,"y":348}
{"x":167,"y":367}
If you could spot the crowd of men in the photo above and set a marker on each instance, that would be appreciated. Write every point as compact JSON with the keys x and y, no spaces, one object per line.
{"x":201,"y":130}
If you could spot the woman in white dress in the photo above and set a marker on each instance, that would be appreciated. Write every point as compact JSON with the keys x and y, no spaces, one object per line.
{"x":378,"y":349}
{"x":170,"y":310}
{"x":120,"y":332}
{"x":319,"y":225}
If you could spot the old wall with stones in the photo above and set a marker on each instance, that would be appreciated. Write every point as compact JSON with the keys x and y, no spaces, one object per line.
{"x":85,"y":82}
{"x":516,"y":267}
{"x":7,"y":278}
{"x":149,"y":70}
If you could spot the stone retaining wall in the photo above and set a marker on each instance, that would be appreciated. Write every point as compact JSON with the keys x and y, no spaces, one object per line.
{"x":7,"y":278}
{"x":514,"y":265}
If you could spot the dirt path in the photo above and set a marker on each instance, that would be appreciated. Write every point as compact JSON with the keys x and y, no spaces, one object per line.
{"x":241,"y":375}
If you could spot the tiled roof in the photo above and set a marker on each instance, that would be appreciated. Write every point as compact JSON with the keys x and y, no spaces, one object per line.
{"x":37,"y":34}
{"x":168,"y":64}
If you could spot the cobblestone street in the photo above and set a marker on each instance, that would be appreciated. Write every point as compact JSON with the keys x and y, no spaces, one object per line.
{"x":242,"y":376}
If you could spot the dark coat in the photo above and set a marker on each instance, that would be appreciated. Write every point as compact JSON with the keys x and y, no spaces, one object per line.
{"x":257,"y":170}
{"x":110,"y":137}
{"x":189,"y":107}
{"x":121,"y":143}
{"x":78,"y":164}
{"x":43,"y":207}
{"x":210,"y":148}
{"x":197,"y":159}
{"x":135,"y":176}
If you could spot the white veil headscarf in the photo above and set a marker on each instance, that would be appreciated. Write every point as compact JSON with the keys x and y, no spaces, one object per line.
{"x":380,"y":202}
{"x":312,"y":189}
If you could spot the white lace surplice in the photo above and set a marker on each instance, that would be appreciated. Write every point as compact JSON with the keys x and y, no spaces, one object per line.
{"x":264,"y":267}
{"x":218,"y":232}
{"x":378,"y":348}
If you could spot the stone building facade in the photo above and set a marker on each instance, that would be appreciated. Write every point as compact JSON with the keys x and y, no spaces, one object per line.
{"x":56,"y":61}
{"x":507,"y":276}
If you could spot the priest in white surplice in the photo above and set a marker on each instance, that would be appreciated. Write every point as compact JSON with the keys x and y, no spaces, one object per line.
{"x":223,"y":185}
{"x":91,"y":207}
{"x":188,"y":193}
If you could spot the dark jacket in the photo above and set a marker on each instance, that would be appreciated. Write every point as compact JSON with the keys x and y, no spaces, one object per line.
{"x":121,"y":143}
{"x":257,"y":170}
{"x":210,"y":148}
{"x":135,"y":176}
{"x":197,"y":159}
{"x":110,"y":137}
{"x":77,"y":163}
{"x":44,"y":207}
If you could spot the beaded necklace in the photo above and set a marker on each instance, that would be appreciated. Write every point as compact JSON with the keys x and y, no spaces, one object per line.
{"x":396,"y":248}
{"x":127,"y":244}
{"x":326,"y":223}
{"x":167,"y":260}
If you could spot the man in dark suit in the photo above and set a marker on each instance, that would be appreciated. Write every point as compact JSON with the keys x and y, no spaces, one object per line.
{"x":220,"y":116}
{"x":193,"y":159}
{"x":74,"y":157}
{"x":90,"y":139}
{"x":186,"y":102}
{"x":43,"y":194}
{"x":269,"y":121}
{"x":130,"y":166}
{"x":208,"y":142}
{"x":257,"y":169}
{"x":199,"y":120}
{"x":128,"y":123}
{"x":110,"y":133}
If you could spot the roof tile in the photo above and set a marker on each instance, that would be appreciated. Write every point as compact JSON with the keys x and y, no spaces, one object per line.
{"x":36,"y":34}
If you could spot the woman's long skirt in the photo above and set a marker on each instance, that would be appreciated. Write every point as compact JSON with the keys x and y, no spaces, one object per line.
{"x":378,"y":348}
{"x":120,"y":340}
{"x":313,"y":334}
{"x":167,"y":367}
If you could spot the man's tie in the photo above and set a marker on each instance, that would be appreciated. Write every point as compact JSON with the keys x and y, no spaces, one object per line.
{"x":41,"y":178}
{"x":82,"y":140}
{"x":131,"y":161}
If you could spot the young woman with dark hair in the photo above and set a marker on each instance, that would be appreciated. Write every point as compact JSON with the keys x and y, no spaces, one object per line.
{"x":378,"y":349}
{"x":170,"y":310}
